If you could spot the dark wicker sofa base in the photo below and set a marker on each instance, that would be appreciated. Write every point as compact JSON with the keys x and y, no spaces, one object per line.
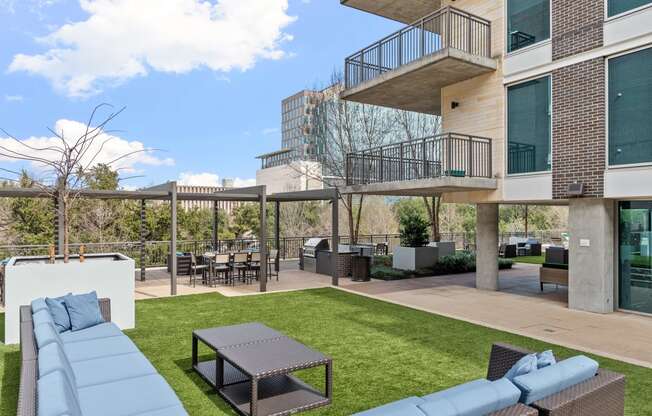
{"x":27,"y":399}
{"x":603,"y":395}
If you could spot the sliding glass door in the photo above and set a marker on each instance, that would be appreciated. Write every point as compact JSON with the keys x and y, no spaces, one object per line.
{"x":635,"y":255}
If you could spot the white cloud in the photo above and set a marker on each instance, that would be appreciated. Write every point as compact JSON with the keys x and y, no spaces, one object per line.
{"x":269,"y":131}
{"x":211,"y":179}
{"x":107,"y":147}
{"x":14,"y":98}
{"x":122,"y":39}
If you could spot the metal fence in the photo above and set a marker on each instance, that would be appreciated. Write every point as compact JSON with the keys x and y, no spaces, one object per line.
{"x":156,"y":252}
{"x":449,"y":154}
{"x":447,"y":27}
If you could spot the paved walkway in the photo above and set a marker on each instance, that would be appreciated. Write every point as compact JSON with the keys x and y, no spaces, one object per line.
{"x":520,"y":308}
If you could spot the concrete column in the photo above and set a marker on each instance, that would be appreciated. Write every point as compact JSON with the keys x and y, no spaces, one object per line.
{"x":486,"y":276}
{"x":215,"y":225}
{"x":591,"y":255}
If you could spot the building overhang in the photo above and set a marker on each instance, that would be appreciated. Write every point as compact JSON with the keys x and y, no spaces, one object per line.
{"x":417,"y":85}
{"x":423,"y":187}
{"x":405,"y":11}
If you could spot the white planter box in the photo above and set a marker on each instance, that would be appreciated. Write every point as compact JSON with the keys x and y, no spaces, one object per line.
{"x":446,"y":248}
{"x":110,"y":275}
{"x":413,"y":258}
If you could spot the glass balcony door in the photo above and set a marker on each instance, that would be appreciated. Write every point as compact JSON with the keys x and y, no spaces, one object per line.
{"x":635,"y":255}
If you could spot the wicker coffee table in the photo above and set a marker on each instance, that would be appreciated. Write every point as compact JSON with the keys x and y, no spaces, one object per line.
{"x":252,"y":370}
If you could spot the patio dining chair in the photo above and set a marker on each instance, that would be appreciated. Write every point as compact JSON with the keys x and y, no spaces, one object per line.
{"x":239,"y":264}
{"x":220,"y":267}
{"x":254,"y":266}
{"x":198,"y":268}
{"x":271,"y":264}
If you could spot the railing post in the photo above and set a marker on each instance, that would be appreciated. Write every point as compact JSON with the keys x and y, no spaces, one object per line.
{"x":423,"y":39}
{"x":400,"y":48}
{"x":346,"y":84}
{"x":401,"y":165}
{"x":382,"y":167}
{"x":470,"y":162}
{"x":347,"y":167}
{"x":380,"y":58}
{"x":364,"y":169}
{"x":361,"y":80}
{"x":449,"y":155}
{"x":468,"y":39}
{"x":424,"y":171}
{"x":449,"y":30}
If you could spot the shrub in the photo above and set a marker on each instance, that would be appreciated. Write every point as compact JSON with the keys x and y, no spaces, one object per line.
{"x":461,"y":262}
{"x":413,"y":230}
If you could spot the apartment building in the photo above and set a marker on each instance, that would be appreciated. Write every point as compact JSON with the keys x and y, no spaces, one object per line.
{"x":227,"y":206}
{"x":543,"y":102}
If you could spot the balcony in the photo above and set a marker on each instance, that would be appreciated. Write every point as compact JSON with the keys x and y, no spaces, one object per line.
{"x":407,"y":69}
{"x":444,"y":163}
{"x":405,"y":11}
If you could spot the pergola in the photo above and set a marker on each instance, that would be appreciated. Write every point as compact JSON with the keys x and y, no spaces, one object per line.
{"x":168,"y":192}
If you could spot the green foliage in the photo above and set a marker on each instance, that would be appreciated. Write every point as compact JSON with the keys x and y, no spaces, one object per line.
{"x":461,"y":262}
{"x":413,"y":229}
{"x":31,"y":219}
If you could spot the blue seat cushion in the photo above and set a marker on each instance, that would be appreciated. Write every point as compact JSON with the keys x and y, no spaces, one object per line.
{"x":456,"y":390}
{"x":127,"y":397}
{"x":42,"y":317}
{"x":105,"y":330}
{"x":46,"y":334}
{"x":481,"y":399}
{"x":98,"y":348}
{"x":56,"y":397}
{"x":110,"y":369}
{"x":38,"y":305}
{"x":84,"y":310}
{"x":177,"y":410}
{"x":555,"y":378}
{"x":51,"y":358}
{"x":405,"y":407}
{"x":59,"y":313}
{"x":525,"y":365}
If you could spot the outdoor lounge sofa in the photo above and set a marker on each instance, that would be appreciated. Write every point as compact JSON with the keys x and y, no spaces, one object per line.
{"x":97,"y":371}
{"x":601,"y":394}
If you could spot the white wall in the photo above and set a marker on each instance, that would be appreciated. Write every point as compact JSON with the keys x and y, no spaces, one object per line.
{"x":628,"y":182}
{"x":628,"y":25}
{"x":110,"y":279}
{"x":298,"y":176}
{"x":528,"y":58}
{"x":536,"y":187}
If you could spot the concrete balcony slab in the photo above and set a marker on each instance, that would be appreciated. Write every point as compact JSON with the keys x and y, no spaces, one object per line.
{"x":406,"y":11}
{"x":417,"y":86}
{"x":423,"y":187}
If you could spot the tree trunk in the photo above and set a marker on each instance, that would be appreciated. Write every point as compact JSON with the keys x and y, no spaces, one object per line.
{"x":357,"y":221}
{"x":349,"y":213}
{"x":66,"y":230}
{"x":433,"y":206}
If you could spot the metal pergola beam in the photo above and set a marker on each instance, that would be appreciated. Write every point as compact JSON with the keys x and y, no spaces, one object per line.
{"x":262,"y":194}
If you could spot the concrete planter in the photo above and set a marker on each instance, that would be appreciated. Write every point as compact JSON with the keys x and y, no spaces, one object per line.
{"x":446,"y":248}
{"x":413,"y":258}
{"x":28,"y":278}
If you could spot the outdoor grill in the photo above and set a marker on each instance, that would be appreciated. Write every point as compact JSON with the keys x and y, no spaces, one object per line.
{"x":313,"y":245}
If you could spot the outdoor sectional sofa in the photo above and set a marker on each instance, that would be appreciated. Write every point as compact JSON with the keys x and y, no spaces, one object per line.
{"x":602,"y":394}
{"x":97,"y":371}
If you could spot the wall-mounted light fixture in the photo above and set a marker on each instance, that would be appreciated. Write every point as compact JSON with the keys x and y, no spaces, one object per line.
{"x":454,"y":105}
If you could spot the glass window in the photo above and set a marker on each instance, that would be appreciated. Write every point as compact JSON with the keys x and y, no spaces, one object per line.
{"x":529,"y":127}
{"x":620,"y":6}
{"x":635,"y":255}
{"x":630,"y":106}
{"x":528,"y":22}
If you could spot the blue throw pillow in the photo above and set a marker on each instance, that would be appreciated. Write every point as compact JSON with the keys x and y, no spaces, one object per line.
{"x":39,"y":305}
{"x":523,"y":366}
{"x":84,"y":310}
{"x":59,"y":312}
{"x":546,"y":358}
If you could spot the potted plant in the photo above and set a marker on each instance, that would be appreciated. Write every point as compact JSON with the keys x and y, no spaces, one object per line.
{"x":413,"y":253}
{"x":65,"y":163}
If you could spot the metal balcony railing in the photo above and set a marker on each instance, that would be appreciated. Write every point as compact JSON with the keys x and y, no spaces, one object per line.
{"x":445,"y":155}
{"x":446,"y":28}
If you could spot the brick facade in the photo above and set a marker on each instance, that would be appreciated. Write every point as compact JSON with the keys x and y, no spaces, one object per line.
{"x":577,"y":26}
{"x":578,"y":128}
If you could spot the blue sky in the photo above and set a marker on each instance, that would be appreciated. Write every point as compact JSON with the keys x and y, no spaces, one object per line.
{"x":205,"y":92}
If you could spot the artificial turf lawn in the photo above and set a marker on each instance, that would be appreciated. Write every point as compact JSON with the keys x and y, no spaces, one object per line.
{"x":381,"y":352}
{"x":530,"y":259}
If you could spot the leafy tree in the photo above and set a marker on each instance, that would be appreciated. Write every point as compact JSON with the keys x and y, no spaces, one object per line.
{"x":413,"y":229}
{"x":31,"y":219}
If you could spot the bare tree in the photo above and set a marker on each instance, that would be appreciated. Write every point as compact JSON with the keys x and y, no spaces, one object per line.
{"x":343,"y":127}
{"x":66,"y":163}
{"x":416,"y":126}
